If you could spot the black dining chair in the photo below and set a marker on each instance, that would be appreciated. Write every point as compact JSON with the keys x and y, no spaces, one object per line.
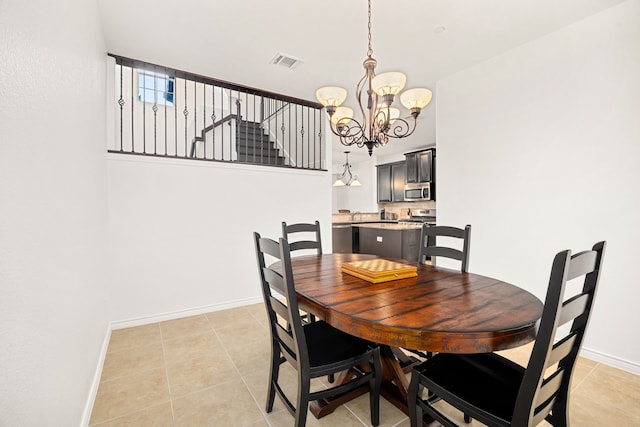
{"x":430,"y":248}
{"x":498,"y":392}
{"x":305,"y":242}
{"x":313,"y":349}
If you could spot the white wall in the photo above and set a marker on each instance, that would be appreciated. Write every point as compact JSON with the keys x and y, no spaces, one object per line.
{"x":356,"y":199}
{"x":53,"y":201}
{"x":538,"y":149}
{"x":181,"y":232}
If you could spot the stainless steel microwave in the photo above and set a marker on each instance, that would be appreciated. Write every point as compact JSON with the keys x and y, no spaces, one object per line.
{"x":420,"y":191}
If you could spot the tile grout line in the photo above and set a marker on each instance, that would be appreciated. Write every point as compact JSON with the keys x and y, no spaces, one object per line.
{"x":166,"y":373}
{"x":584,"y":378}
{"x":224,"y":347}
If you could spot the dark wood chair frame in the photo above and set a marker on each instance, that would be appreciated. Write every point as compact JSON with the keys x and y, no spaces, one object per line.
{"x":314,"y":349}
{"x":429,"y":246}
{"x":303,"y":228}
{"x":304,"y":244}
{"x":428,"y":249}
{"x":499,"y":392}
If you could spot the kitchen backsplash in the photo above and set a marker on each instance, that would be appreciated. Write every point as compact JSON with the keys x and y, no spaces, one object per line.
{"x":392,"y":211}
{"x":400,"y":210}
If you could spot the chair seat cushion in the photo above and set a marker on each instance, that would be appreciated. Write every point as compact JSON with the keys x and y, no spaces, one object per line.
{"x":328,"y":345}
{"x":487,"y":381}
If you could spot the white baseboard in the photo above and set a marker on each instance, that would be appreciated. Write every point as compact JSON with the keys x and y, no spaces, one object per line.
{"x":139,"y":321}
{"x":145,"y":320}
{"x":607,"y":359}
{"x":93,"y":391}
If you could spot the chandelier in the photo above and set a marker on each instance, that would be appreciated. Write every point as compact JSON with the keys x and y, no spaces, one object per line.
{"x":347,"y":178}
{"x":380,"y":121}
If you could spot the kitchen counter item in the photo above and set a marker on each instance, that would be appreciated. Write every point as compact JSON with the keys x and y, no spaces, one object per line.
{"x":390,"y":225}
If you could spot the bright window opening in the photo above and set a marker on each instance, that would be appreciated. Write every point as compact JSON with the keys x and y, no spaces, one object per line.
{"x":156,"y":88}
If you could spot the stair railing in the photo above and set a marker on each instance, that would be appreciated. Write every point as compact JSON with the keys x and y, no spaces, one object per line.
{"x":203,"y":133}
{"x":165,"y":112}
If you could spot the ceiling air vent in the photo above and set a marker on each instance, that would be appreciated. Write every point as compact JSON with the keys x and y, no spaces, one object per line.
{"x":286,"y":61}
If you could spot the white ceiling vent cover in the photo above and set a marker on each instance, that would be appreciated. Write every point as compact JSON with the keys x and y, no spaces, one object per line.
{"x":286,"y":61}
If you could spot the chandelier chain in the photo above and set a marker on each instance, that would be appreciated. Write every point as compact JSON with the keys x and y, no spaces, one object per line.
{"x":369,"y":50}
{"x":380,"y":121}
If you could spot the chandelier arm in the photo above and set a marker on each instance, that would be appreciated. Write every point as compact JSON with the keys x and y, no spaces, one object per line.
{"x":359,"y":88}
{"x":401,"y":128}
{"x":377,"y":124}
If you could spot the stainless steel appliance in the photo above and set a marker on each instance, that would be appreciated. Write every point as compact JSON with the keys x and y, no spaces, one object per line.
{"x":424,"y":216}
{"x":342,"y":236}
{"x":415,"y":192}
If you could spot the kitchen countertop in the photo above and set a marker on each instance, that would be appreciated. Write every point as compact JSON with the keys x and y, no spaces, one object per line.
{"x":390,"y":226}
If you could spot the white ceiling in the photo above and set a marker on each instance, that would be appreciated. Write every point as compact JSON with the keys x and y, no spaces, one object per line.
{"x":235,"y":40}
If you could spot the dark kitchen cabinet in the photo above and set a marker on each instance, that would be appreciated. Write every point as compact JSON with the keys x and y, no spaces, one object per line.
{"x":420,"y":166}
{"x":401,"y":244}
{"x":384,"y":183}
{"x":398,"y":176}
{"x":391,"y":179}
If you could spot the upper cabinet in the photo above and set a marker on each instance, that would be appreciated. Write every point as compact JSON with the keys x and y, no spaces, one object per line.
{"x":420,"y":166}
{"x":391,"y":179}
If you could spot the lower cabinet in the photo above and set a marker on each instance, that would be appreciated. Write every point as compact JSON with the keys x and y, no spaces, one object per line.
{"x":342,"y":236}
{"x":404,"y":244}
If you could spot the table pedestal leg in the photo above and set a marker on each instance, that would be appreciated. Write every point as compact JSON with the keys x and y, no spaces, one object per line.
{"x":394,"y":387}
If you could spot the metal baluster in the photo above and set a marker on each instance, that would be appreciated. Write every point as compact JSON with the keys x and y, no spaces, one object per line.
{"x":320,"y":136}
{"x":166,"y":73}
{"x":185,"y":112}
{"x":275,"y":143}
{"x":195,"y":107}
{"x":222,"y":130}
{"x":253,"y":132}
{"x":175,"y":116}
{"x":121,"y":104}
{"x":155,"y":113}
{"x":290,"y":152}
{"x":203,"y":134}
{"x":213,"y":120}
{"x":144,"y":114}
{"x":302,"y":135}
{"x":132,"y":106}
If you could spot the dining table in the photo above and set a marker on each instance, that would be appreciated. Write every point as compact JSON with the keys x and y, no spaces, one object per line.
{"x":439,"y":310}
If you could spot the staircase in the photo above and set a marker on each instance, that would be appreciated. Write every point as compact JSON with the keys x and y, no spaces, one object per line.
{"x":253,"y":145}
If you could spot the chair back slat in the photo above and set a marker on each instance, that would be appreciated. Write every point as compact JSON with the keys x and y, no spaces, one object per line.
{"x":542,"y":413}
{"x":280,"y":308}
{"x":287,"y":333}
{"x":285,"y":337}
{"x":305,"y":241}
{"x":550,"y":387}
{"x":573,"y":308}
{"x":275,"y":280}
{"x":429,"y":246}
{"x":303,"y":244}
{"x":445,"y":231}
{"x":560,"y":350}
{"x":430,"y":251}
{"x":582,"y":264}
{"x":537,"y":395}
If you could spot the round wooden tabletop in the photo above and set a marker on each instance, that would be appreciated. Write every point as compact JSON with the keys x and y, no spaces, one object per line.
{"x":440,"y":310}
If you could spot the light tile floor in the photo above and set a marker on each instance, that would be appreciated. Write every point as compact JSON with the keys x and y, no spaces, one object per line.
{"x":212,"y":370}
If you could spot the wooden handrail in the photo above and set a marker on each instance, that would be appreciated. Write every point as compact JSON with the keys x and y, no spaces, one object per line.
{"x":223,"y":120}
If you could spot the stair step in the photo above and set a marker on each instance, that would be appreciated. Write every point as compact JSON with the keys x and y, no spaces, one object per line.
{"x":264,"y":161}
{"x":250,"y":126}
{"x":259,"y":153}
{"x":258,"y":138}
{"x":249,"y":144}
